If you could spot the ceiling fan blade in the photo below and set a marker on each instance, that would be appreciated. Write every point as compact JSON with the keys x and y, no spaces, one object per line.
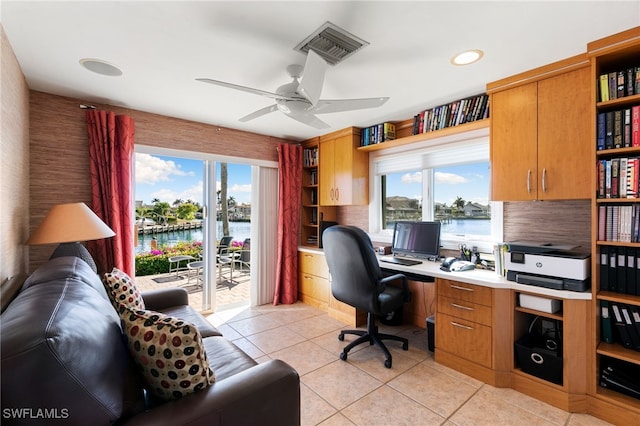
{"x":245,"y":89}
{"x":325,"y":106}
{"x":313,"y":77}
{"x":259,"y":113}
{"x":310,"y":120}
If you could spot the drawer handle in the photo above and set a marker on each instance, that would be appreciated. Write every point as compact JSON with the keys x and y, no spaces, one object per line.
{"x":455,"y":305}
{"x":307,"y":277}
{"x":457,"y":287}
{"x":466,"y":327}
{"x":308,"y":255}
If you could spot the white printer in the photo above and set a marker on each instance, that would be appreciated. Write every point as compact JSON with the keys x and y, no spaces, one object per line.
{"x":548,"y":265}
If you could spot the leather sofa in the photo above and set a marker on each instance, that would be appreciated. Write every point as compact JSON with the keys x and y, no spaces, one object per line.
{"x":64,"y":358}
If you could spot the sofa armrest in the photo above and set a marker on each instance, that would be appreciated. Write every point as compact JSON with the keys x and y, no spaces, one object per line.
{"x":159,"y":299}
{"x":266,"y":394}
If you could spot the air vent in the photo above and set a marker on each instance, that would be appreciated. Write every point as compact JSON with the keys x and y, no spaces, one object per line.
{"x":332,"y":43}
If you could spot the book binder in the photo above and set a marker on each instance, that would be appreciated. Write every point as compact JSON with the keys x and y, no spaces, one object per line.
{"x":606,"y":332}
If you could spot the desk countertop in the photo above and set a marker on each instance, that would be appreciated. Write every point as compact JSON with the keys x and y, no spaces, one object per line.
{"x":477,"y":276}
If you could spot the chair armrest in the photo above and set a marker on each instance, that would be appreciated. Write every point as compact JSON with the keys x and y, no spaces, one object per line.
{"x":405,"y":284}
{"x":159,"y":299}
{"x":267,"y":394}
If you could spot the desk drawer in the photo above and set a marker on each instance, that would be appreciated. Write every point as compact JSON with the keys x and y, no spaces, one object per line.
{"x":464,"y":338}
{"x":313,"y":263}
{"x":465,"y":310}
{"x":314,"y":287}
{"x":465,"y":292}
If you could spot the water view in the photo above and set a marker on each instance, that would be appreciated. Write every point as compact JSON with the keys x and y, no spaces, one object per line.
{"x":467,"y":227}
{"x":238,"y":230}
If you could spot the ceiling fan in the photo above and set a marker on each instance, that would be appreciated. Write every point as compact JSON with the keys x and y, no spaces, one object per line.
{"x":300,"y":100}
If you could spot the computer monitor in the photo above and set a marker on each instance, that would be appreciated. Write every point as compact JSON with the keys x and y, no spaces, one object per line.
{"x":416,"y":239}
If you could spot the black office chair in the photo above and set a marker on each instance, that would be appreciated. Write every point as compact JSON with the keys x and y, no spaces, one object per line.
{"x":356,"y":279}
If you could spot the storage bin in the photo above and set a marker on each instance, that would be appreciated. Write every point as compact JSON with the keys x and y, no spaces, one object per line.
{"x":537,"y":360}
{"x":541,"y":304}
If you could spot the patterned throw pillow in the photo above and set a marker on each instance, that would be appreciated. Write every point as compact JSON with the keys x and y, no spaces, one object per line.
{"x":122,"y":289}
{"x":168,"y":351}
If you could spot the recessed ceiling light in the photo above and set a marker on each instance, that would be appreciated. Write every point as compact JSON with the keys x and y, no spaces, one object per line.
{"x":101,"y":67}
{"x":467,"y":57}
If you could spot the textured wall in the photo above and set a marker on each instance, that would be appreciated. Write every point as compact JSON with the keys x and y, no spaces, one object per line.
{"x":60,"y":158}
{"x":14,"y":163}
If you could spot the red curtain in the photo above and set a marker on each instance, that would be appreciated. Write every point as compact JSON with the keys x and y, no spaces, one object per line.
{"x":289,"y":194}
{"x":111,"y":140}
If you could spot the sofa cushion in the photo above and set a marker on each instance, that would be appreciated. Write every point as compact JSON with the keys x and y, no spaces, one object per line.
{"x":122,"y":289}
{"x":226,"y":358}
{"x":169,"y":352}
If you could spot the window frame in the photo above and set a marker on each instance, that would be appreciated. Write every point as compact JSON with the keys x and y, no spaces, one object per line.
{"x":395,"y":158}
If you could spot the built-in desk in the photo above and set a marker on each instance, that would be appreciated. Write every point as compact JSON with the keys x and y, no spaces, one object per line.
{"x":478,"y":320}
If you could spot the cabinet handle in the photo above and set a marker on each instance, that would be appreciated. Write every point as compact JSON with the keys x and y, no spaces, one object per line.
{"x":544,"y":179}
{"x":466,"y":327}
{"x":331,"y":194}
{"x":457,"y":287}
{"x":337,"y":194}
{"x":308,"y":255}
{"x":467,"y":308}
{"x":529,"y":181}
{"x":307,"y":277}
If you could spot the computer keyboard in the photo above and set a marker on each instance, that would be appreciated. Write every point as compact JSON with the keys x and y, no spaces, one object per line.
{"x":400,"y":261}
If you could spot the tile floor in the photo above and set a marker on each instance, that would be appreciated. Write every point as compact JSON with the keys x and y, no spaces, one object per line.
{"x":361,"y":391}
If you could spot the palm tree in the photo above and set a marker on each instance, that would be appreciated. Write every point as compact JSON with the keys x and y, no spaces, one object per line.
{"x":224,"y":176}
{"x":178,"y":201}
{"x":459,"y":203}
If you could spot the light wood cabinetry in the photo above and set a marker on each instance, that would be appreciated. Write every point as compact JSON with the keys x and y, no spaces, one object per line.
{"x":344,"y":171}
{"x":570,"y":394}
{"x":472,"y":330}
{"x":611,"y":55}
{"x":539,"y":145}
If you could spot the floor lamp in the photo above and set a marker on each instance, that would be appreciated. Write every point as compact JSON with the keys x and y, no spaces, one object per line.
{"x":67,"y":225}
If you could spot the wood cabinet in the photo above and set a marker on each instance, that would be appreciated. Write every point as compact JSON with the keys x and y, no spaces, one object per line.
{"x":344,"y":171}
{"x":611,"y":55}
{"x":539,"y":144}
{"x":472,"y":330}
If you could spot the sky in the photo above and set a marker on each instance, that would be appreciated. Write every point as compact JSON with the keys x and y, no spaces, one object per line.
{"x":171,"y":178}
{"x":469,"y":181}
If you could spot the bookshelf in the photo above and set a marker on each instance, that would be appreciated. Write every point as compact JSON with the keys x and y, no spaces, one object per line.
{"x":311,"y":212}
{"x":615,"y":246}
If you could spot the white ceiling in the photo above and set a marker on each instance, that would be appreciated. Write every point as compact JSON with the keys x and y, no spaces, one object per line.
{"x":163,"y":46}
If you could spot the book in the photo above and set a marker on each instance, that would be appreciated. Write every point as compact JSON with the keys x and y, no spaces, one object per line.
{"x":601,"y":131}
{"x":621,"y":327}
{"x":635,"y":125}
{"x":604,"y":87}
{"x":617,"y":129}
{"x":606,"y":331}
{"x":609,"y":125}
{"x":626,"y":128}
{"x":613,"y":85}
{"x":621,"y":86}
{"x":631,"y":328}
{"x":604,"y":268}
{"x":631,"y":80}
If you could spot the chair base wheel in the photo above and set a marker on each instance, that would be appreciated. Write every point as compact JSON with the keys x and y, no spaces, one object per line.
{"x":387,"y":363}
{"x":343,"y":356}
{"x":341,"y":337}
{"x":405,"y":346}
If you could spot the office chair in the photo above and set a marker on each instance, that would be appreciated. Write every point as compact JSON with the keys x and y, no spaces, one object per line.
{"x":356,"y":279}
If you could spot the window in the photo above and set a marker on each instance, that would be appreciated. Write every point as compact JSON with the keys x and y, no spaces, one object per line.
{"x":447,"y":181}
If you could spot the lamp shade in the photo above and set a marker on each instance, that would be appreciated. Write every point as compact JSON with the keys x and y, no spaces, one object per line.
{"x":70,"y":223}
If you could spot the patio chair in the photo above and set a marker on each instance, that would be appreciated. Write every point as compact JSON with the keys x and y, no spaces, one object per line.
{"x":244,"y":255}
{"x":225,"y":257}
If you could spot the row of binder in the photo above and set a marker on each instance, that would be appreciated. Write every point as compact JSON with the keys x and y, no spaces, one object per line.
{"x":619,"y":270}
{"x":620,"y":323}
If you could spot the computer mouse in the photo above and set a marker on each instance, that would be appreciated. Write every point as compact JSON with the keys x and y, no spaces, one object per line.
{"x":462,"y":265}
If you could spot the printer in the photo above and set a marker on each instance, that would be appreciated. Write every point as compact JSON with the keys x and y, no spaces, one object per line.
{"x":555,"y":266}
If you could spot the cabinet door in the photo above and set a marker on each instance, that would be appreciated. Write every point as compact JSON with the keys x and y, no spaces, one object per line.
{"x":514,"y":144}
{"x":342,"y":168}
{"x":327,"y":185}
{"x":564,"y":142}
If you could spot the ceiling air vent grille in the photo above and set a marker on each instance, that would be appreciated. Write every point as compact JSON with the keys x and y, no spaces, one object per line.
{"x":332,"y":43}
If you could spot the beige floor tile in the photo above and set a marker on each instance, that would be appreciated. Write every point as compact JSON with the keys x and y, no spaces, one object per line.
{"x":313,"y":408}
{"x":255,"y":324}
{"x":305,"y":357}
{"x":484,"y":409}
{"x":371,"y":359}
{"x":437,"y":391}
{"x":275,"y":339}
{"x":534,"y":406}
{"x":577,"y":419}
{"x":316,"y":326}
{"x":340,"y":384}
{"x":330,"y":342}
{"x":386,"y":406}
{"x":337,"y":420}
{"x":249,"y":348}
